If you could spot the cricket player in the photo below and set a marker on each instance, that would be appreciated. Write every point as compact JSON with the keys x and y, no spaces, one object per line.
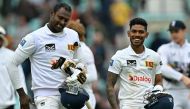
{"x":53,"y":40}
{"x":6,"y":83}
{"x":87,"y":58}
{"x":176,"y":65}
{"x":136,"y":68}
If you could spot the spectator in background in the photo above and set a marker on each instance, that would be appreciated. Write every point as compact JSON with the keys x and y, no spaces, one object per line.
{"x":99,"y":54}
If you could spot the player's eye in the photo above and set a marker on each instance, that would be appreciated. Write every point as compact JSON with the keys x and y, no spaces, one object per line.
{"x":133,"y":31}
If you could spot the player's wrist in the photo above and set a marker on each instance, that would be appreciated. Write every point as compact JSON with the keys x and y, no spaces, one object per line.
{"x":21,"y":92}
{"x":158,"y":88}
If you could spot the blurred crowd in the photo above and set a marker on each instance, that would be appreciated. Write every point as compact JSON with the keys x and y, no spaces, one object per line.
{"x":106,"y":26}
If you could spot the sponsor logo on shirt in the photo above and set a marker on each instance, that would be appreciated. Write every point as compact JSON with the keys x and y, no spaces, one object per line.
{"x":49,"y":47}
{"x":139,"y":78}
{"x":149,"y":64}
{"x":131,"y":62}
{"x":22,"y":42}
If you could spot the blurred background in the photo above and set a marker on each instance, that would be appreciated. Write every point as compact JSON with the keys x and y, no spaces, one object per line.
{"x":106,"y":23}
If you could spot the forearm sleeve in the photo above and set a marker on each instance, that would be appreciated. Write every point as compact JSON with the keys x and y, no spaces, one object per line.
{"x":12,"y":67}
{"x":91,"y":73}
{"x":170,"y":73}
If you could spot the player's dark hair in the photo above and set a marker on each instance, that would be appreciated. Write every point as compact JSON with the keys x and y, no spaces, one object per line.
{"x":62,"y":5}
{"x":138,"y":21}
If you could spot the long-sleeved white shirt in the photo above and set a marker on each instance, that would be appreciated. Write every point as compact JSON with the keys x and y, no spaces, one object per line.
{"x":6,"y":88}
{"x":41,"y":46}
{"x":176,"y":60}
{"x":87,"y":58}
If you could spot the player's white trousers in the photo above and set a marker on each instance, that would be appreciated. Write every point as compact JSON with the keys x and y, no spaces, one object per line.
{"x":181,"y":98}
{"x":48,"y":102}
{"x":130,"y":107}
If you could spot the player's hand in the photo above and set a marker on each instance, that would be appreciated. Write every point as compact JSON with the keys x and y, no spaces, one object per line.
{"x":186,"y":81}
{"x":25,"y":100}
{"x":68,"y":64}
{"x":81,"y":77}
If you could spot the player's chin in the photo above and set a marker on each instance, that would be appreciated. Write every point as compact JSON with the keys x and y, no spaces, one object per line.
{"x":59,"y":28}
{"x":134,"y":43}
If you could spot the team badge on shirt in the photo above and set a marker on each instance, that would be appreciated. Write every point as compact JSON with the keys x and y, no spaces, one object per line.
{"x":50,"y":47}
{"x":74,"y":46}
{"x":22,"y":42}
{"x":111,"y":62}
{"x":131,"y":62}
{"x":149,"y":64}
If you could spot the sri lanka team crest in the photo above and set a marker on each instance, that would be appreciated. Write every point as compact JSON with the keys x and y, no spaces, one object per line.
{"x":73,"y":47}
{"x":149,"y":64}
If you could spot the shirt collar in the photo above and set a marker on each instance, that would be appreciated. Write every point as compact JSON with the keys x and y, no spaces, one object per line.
{"x":49,"y":32}
{"x":177,"y":45}
{"x":132,"y":52}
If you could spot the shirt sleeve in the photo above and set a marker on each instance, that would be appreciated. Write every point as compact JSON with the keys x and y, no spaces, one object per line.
{"x":24,"y":50}
{"x":114,"y":65}
{"x":168,"y":71}
{"x":27,"y":46}
{"x":91,"y":68}
{"x":159,"y":64}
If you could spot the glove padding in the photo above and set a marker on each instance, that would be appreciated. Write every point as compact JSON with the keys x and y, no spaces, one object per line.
{"x":76,"y":71}
{"x":78,"y":74}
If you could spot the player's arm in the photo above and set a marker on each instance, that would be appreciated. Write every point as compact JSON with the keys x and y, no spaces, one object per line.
{"x":113,"y":72}
{"x":158,"y":79}
{"x":168,"y":71}
{"x":111,"y":81}
{"x":88,"y":60}
{"x":24,"y":50}
{"x":158,"y":86}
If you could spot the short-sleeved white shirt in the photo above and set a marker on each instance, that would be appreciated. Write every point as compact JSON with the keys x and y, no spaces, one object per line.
{"x":41,"y":46}
{"x":136,"y":74}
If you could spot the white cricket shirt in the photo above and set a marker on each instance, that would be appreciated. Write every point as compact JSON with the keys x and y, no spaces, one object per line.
{"x":176,"y":60}
{"x":87,"y":58}
{"x":41,"y":46}
{"x":7,"y":93}
{"x":136,"y":74}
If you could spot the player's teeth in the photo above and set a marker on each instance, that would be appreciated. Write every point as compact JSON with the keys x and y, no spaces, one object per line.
{"x":137,"y":39}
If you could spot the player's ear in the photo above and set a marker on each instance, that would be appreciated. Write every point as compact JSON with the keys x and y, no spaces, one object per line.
{"x":128,"y":33}
{"x":147,"y":33}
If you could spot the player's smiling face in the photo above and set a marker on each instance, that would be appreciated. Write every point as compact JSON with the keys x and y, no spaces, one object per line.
{"x":59,"y":19}
{"x":137,"y":35}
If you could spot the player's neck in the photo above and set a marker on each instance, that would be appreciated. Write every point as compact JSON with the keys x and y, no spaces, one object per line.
{"x":51,"y":28}
{"x":138,"y":49}
{"x":181,"y":43}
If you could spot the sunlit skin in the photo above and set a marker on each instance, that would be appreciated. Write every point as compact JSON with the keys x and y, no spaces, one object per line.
{"x":137,"y":35}
{"x":178,"y":36}
{"x":58,"y":20}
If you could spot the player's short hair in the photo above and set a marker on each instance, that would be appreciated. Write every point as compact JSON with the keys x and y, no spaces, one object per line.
{"x":62,"y":5}
{"x":138,"y":21}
